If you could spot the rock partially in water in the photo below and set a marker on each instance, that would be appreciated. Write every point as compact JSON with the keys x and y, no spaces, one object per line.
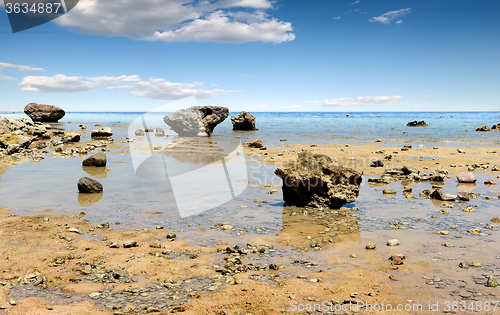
{"x":490,"y":182}
{"x":466,"y":177}
{"x":496,"y":220}
{"x":244,"y":121}
{"x":196,"y":120}
{"x":389,"y":192}
{"x":44,"y":113}
{"x":102,"y":132}
{"x":492,"y":282}
{"x":96,"y":160}
{"x":408,"y":169}
{"x":483,"y":128}
{"x":463,"y":195}
{"x":393,"y":242}
{"x":377,"y":163}
{"x":140,"y":132}
{"x":439,"y":195}
{"x":88,"y":185}
{"x":256,"y":143}
{"x":314,"y":181}
{"x":416,"y":123}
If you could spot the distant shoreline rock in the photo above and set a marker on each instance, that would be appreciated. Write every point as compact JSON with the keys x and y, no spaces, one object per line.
{"x":244,"y":121}
{"x":486,"y":128}
{"x":416,"y":123}
{"x":44,"y":113}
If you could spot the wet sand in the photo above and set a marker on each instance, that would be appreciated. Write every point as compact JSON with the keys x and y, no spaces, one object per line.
{"x":63,"y":263}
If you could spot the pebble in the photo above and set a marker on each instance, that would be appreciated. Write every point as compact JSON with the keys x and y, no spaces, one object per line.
{"x":447,"y":245}
{"x":492,"y":282}
{"x":129,"y":244}
{"x":443,"y":232}
{"x":371,"y":246}
{"x":393,"y":242}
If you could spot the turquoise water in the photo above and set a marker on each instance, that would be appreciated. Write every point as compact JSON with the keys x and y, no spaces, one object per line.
{"x":336,"y":127}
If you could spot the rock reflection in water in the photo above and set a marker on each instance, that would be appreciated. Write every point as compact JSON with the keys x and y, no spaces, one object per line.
{"x":86,"y":200}
{"x":99,"y":172}
{"x":466,"y":186}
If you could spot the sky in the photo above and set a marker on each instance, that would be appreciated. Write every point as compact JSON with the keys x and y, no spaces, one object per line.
{"x":258,"y":55}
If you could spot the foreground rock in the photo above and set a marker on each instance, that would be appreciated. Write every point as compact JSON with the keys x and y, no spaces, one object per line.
{"x":88,"y":185}
{"x":256,"y":143}
{"x":314,"y":181}
{"x":417,"y":124}
{"x":102,"y":132}
{"x":439,"y":195}
{"x":196,"y":120}
{"x":466,"y":177}
{"x":97,"y":160}
{"x":44,"y":113}
{"x":244,"y":121}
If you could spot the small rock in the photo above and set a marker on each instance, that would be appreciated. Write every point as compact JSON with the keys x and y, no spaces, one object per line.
{"x":97,"y":160}
{"x":371,"y":246}
{"x":443,"y":232}
{"x":88,"y":185}
{"x":490,"y":182}
{"x":475,"y":231}
{"x":389,"y":192}
{"x":466,"y":177}
{"x":171,"y":236}
{"x":496,"y":220}
{"x":393,"y":242}
{"x":492,"y":282}
{"x":256,"y":143}
{"x":463,"y":265}
{"x":129,"y":244}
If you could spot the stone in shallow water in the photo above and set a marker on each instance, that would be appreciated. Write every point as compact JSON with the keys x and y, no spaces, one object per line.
{"x":466,"y":177}
{"x":96,"y":160}
{"x":492,"y":282}
{"x":88,"y":185}
{"x":371,"y":246}
{"x":393,"y":242}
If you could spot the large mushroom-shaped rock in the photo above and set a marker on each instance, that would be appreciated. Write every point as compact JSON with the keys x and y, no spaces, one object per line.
{"x":196,"y":120}
{"x":96,"y":160}
{"x":89,"y":186}
{"x":483,"y":128}
{"x":101,"y":132}
{"x":42,"y":112}
{"x":466,"y":177}
{"x":314,"y":181}
{"x":244,"y":121}
{"x":416,"y":123}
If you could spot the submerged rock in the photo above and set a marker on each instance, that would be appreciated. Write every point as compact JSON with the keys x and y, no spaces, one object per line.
{"x":196,"y":120}
{"x":88,"y":185}
{"x":97,"y":160}
{"x":314,"y":181}
{"x":416,"y":123}
{"x":45,"y":113}
{"x":244,"y":121}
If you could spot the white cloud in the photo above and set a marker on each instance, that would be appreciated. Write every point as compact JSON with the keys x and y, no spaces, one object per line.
{"x":291,"y":107}
{"x":154,"y":88}
{"x":356,"y":2}
{"x":18,"y":67}
{"x":5,"y":78}
{"x":424,"y":96}
{"x":63,"y":83}
{"x":337,"y":17}
{"x":234,"y":21}
{"x":399,"y":22}
{"x":359,"y":101}
{"x":387,"y":17}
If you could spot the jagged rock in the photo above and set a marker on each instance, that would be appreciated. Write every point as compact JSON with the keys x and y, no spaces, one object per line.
{"x":439,"y":195}
{"x":12,"y":138}
{"x":244,"y":121}
{"x":196,"y":120}
{"x":256,"y":143}
{"x":466,"y":177}
{"x":314,"y":181}
{"x":97,"y":160}
{"x":408,"y":169}
{"x":417,"y":124}
{"x":45,"y":113}
{"x":102,"y":132}
{"x":483,"y":128}
{"x":88,"y":185}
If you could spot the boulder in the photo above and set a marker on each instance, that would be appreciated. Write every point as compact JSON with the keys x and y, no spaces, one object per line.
{"x":97,"y":160}
{"x":88,"y":185}
{"x":483,"y":128}
{"x":244,"y":121}
{"x":46,"y":113}
{"x":314,"y":181}
{"x":466,"y":177}
{"x":102,"y":132}
{"x":495,"y":127}
{"x":417,"y":124}
{"x":196,"y":120}
{"x":256,"y":143}
{"x":408,"y":169}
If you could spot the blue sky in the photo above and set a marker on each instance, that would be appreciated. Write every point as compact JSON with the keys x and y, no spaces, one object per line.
{"x":258,"y":55}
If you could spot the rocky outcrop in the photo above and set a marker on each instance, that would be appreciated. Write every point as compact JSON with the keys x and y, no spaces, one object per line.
{"x":256,"y":143}
{"x":483,"y":128}
{"x":466,"y":177}
{"x":96,"y":160}
{"x":416,"y":123}
{"x":88,"y":185}
{"x":44,"y":113}
{"x":196,"y":120}
{"x":314,"y":181}
{"x":244,"y":121}
{"x":102,"y":132}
